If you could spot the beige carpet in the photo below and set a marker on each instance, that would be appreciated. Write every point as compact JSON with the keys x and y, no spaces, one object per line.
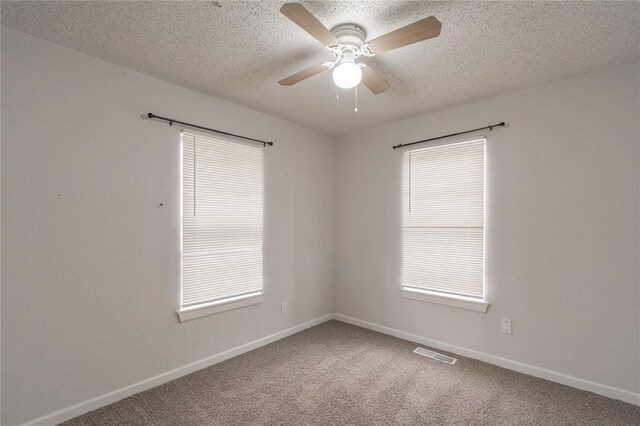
{"x":336,"y":373}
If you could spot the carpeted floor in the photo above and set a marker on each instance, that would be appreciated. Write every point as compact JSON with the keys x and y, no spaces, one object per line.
{"x":336,"y":373}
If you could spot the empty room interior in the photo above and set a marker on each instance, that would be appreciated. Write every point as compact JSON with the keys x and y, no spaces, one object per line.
{"x":320,"y":213}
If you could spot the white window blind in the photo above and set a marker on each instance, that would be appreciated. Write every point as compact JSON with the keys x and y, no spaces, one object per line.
{"x":222,"y":203}
{"x":443,"y":219}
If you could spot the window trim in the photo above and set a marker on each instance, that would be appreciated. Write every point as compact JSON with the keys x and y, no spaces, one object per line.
{"x":218,"y":306}
{"x":449,"y":299}
{"x":462,"y":302}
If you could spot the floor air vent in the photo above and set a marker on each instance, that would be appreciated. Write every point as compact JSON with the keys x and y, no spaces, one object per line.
{"x":435,"y":355}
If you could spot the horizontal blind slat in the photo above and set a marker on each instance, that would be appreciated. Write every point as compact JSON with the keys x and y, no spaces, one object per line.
{"x":222,"y":215}
{"x":443,"y":218}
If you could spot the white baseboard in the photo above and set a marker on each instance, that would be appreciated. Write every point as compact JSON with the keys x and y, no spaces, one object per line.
{"x":111,"y":397}
{"x":565,"y":379}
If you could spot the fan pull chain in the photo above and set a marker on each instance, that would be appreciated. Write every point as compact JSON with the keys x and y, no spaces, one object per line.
{"x":356,"y":109}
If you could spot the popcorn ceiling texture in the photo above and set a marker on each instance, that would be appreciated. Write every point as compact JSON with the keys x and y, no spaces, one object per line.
{"x":238,"y":50}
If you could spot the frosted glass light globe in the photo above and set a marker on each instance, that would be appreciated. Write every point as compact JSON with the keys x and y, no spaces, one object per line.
{"x":347,"y":75}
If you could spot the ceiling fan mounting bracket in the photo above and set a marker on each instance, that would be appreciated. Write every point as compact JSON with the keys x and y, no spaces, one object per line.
{"x":351,"y":42}
{"x":350,"y":35}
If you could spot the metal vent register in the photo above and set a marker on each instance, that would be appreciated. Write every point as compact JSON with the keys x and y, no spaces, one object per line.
{"x":435,"y":355}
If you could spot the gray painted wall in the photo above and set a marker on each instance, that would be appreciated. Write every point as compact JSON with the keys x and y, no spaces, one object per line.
{"x":90,"y":263}
{"x":561,"y":225}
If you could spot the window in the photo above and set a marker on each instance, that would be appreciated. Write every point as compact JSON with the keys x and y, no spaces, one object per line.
{"x":443,"y":224}
{"x":222,"y":203}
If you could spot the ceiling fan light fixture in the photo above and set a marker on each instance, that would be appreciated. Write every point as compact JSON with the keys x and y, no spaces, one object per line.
{"x":347,"y":75}
{"x":348,"y":41}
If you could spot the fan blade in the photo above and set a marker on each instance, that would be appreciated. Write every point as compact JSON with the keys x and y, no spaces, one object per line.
{"x":373,"y":81}
{"x":305,"y":20}
{"x":299,"y":76}
{"x":418,"y":31}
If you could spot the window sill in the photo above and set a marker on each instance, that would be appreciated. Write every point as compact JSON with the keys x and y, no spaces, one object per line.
{"x":461,"y":302}
{"x":199,"y":311}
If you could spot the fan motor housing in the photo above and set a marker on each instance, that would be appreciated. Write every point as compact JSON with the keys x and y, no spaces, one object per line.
{"x":349,"y":35}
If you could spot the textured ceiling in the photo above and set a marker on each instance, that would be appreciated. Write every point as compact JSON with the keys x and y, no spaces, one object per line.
{"x":238,"y":50}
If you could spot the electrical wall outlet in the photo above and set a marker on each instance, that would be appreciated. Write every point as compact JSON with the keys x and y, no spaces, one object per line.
{"x":505,"y":326}
{"x":283,"y":308}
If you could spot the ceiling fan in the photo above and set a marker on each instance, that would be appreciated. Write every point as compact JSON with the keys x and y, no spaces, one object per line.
{"x":347,"y":42}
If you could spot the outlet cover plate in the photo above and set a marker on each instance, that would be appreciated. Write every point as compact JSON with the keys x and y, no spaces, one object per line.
{"x":505,"y":326}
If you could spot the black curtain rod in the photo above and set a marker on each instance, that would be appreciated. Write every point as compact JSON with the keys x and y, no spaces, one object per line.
{"x":171,"y":121}
{"x":452,"y":134}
